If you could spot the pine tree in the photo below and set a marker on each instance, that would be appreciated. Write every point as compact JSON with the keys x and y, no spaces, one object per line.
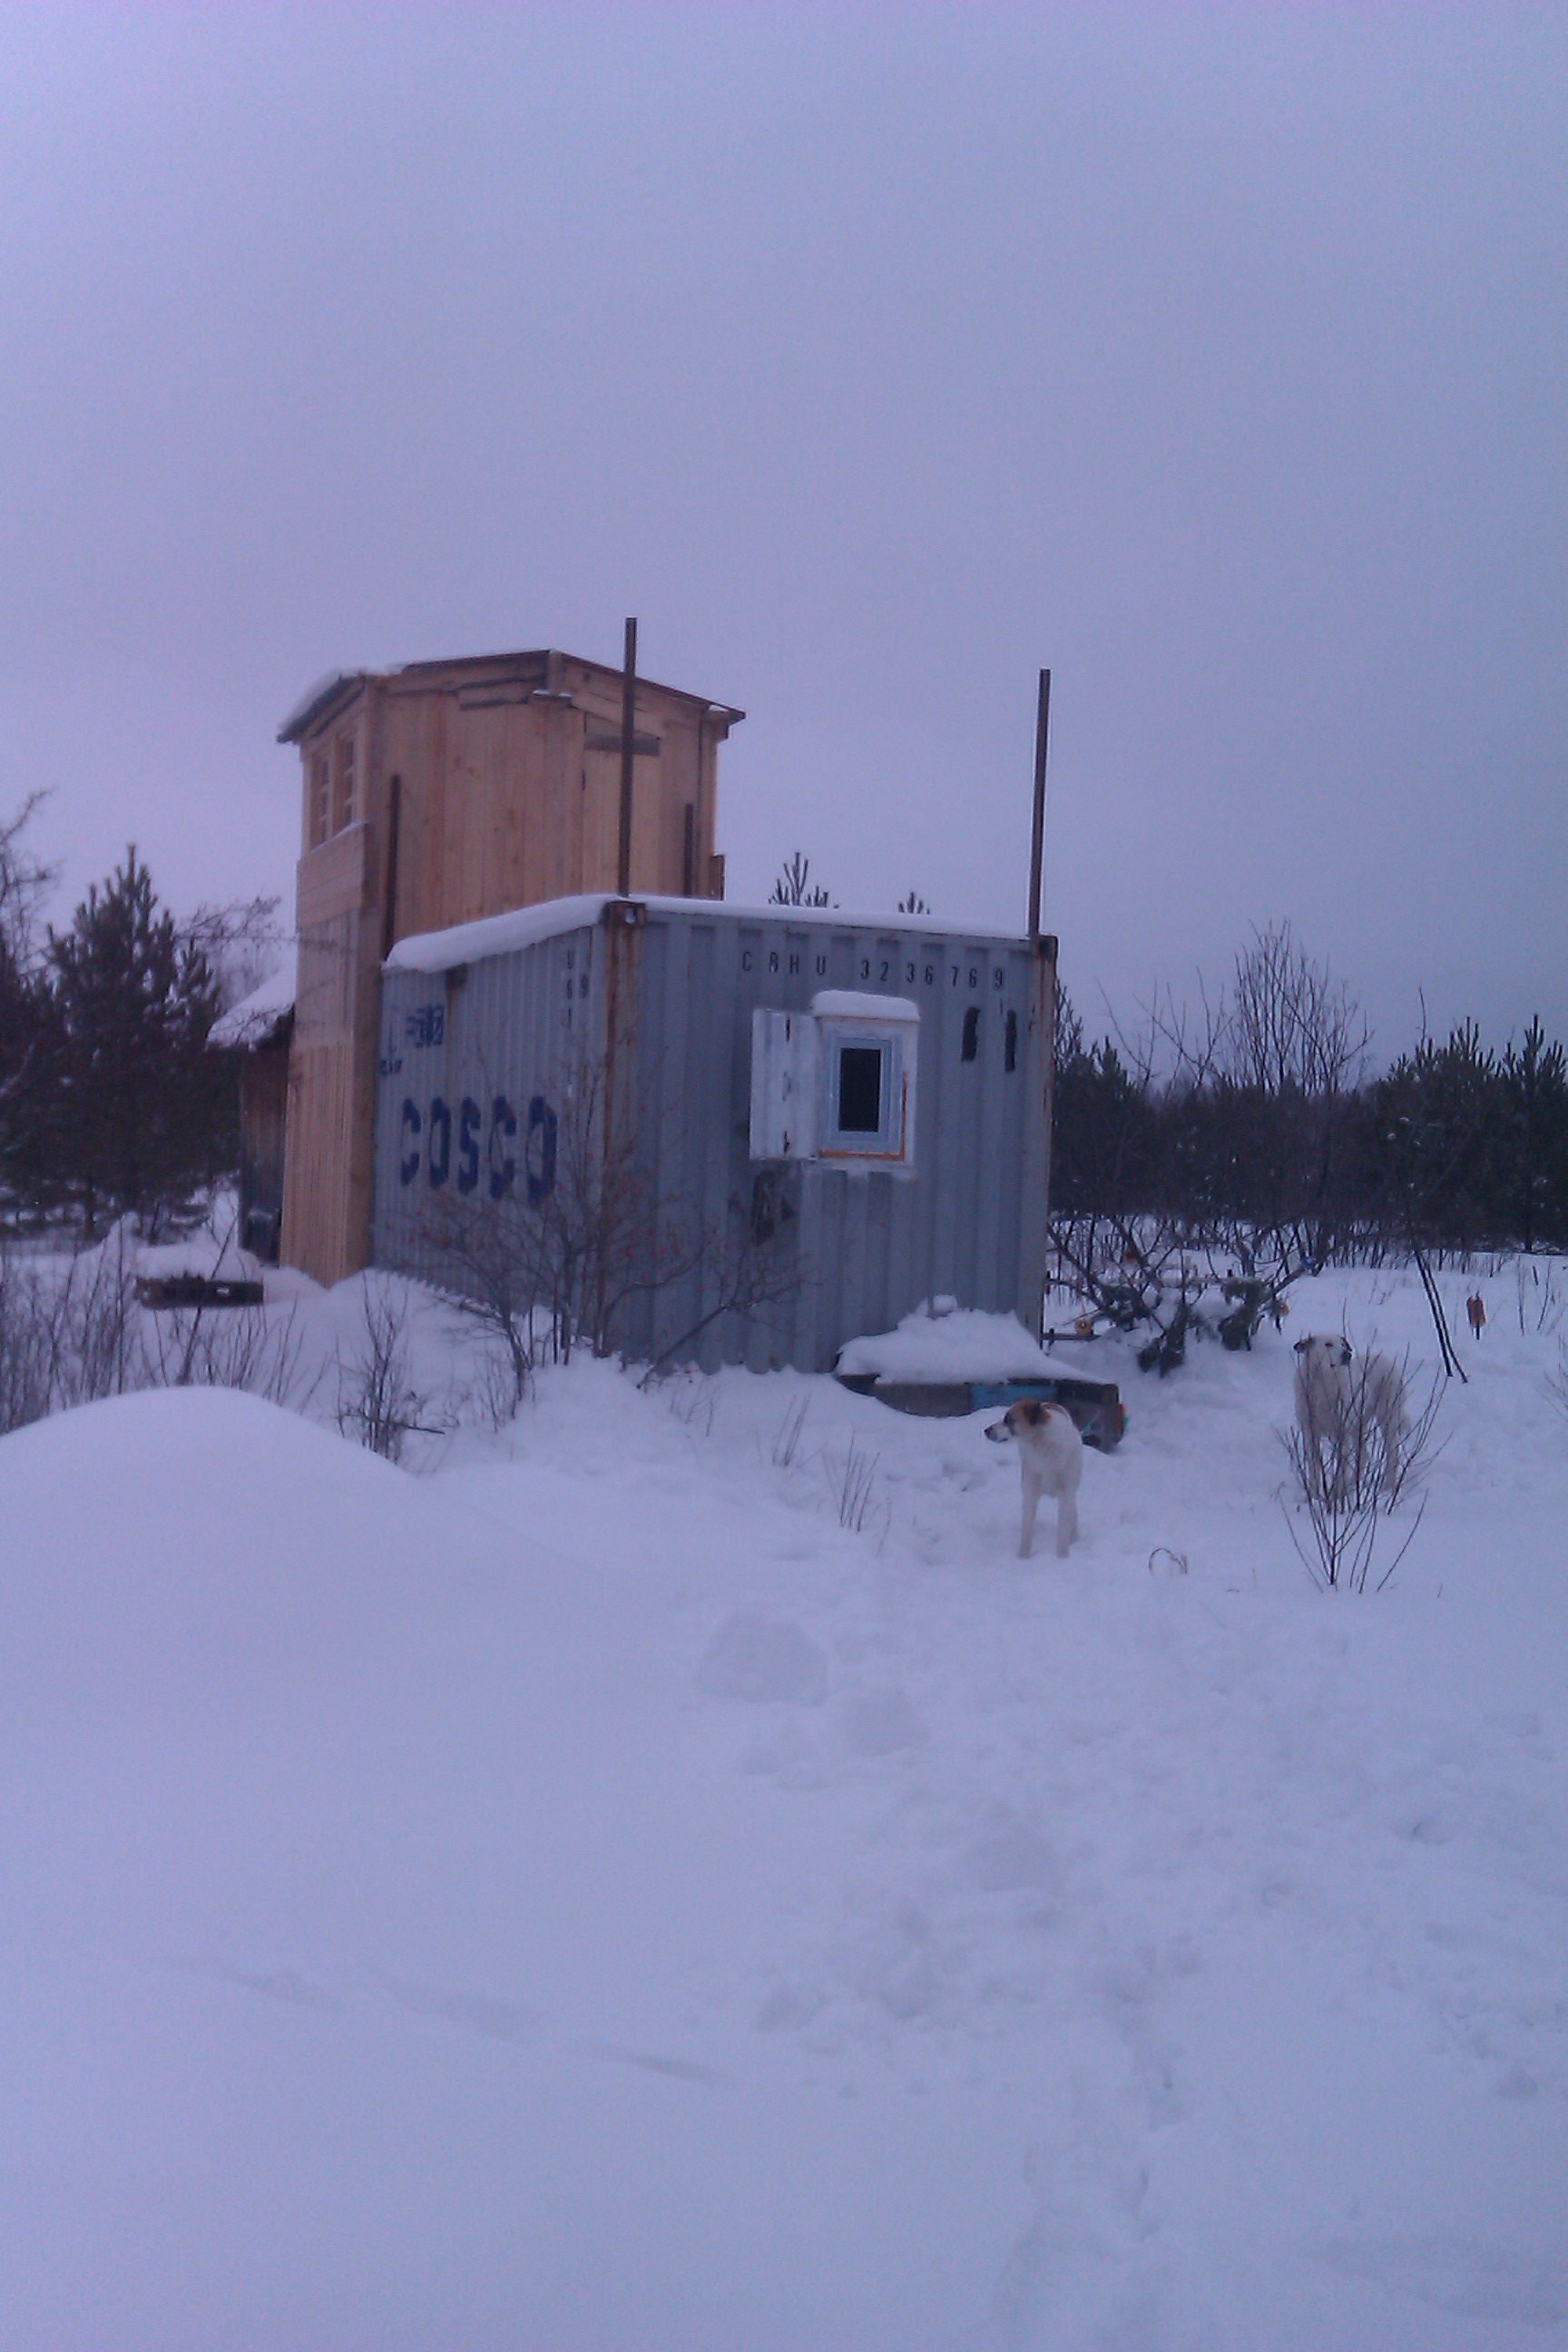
{"x":1535,"y":1084}
{"x":145,"y":1115}
{"x":27,"y":1060}
{"x":792,"y":886}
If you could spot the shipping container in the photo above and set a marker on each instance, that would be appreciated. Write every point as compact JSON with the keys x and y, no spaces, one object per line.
{"x":772,"y":1130}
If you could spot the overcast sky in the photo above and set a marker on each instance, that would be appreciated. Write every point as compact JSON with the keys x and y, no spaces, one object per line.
{"x":874,"y":357}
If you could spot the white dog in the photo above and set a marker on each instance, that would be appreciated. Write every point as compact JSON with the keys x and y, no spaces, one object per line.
{"x":1340,"y":1400}
{"x":1051,"y":1456}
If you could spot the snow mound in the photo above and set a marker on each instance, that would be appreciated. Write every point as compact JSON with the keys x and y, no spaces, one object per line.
{"x":962,"y":1344}
{"x":881,"y":1723}
{"x":761,"y":1659}
{"x":186,"y":1542}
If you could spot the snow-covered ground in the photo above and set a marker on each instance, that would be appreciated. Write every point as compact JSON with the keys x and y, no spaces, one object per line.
{"x":574,"y":1893}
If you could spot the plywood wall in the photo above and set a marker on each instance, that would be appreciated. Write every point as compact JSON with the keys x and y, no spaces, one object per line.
{"x":501,"y":800}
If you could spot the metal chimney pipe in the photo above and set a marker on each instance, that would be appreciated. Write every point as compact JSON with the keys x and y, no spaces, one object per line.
{"x":629,"y":753}
{"x":1038,"y":846}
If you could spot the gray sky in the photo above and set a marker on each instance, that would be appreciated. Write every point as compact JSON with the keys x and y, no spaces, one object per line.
{"x":873,"y":357}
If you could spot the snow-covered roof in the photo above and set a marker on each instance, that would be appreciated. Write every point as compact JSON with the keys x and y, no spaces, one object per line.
{"x":853,"y":1004}
{"x":525,"y":926}
{"x":254,"y":1018}
{"x":495,"y":935}
{"x":317,"y":697}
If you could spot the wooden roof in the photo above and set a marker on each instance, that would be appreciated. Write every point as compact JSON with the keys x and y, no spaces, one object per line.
{"x":320,"y":701}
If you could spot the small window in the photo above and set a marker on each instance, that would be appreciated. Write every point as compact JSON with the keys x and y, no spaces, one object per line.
{"x":971,"y":1033}
{"x":860,"y":1089}
{"x":1010,"y":1043}
{"x":344,"y":797}
{"x":837,"y":1085}
{"x":320,"y":799}
{"x":867,"y":1094}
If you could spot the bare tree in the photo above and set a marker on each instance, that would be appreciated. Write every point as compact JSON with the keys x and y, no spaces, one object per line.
{"x":241,"y":943}
{"x":1288,"y":1025}
{"x":1203,"y":1150}
{"x":25,"y":883}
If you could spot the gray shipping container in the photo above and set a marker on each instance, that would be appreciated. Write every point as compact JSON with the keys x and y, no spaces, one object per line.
{"x":513,"y":1048}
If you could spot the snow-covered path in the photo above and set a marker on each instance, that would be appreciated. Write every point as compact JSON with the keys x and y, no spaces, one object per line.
{"x":586,"y":1896}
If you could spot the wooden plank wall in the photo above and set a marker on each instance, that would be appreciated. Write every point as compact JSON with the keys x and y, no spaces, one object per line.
{"x":501,"y":805}
{"x":332,"y":1097}
{"x":263,"y":1120}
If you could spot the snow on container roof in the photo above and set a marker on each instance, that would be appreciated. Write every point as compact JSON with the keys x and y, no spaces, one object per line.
{"x":852,"y":1004}
{"x":495,"y":935}
{"x":525,"y":926}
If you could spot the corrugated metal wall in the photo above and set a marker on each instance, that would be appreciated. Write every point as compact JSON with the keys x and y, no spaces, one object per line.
{"x":678,"y":990}
{"x":508,"y":1036}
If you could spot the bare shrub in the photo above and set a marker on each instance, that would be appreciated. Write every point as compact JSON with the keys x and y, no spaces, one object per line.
{"x":852,"y":1484}
{"x":97,"y":1324}
{"x":692,"y":1402}
{"x":491,"y":1394}
{"x":26,"y":1380}
{"x":378,"y":1404}
{"x":1541,"y":1294}
{"x":226,"y":1347}
{"x":546,"y":1270}
{"x":1557,"y":1382}
{"x":68,"y":1336}
{"x":787,"y":1441}
{"x":1345,"y":1485}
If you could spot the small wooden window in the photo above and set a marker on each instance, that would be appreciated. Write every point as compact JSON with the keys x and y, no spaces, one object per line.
{"x":320,"y":799}
{"x":343,"y":796}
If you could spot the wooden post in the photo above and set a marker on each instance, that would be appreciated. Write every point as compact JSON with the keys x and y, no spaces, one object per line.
{"x":629,"y":753}
{"x":1037,"y":846}
{"x":389,"y":876}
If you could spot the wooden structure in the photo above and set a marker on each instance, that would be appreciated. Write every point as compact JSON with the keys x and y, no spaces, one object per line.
{"x":438,"y":794}
{"x":263,"y":1131}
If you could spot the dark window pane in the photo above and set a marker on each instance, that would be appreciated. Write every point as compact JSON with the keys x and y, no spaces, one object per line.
{"x":972,"y":1033}
{"x":860,"y":1090}
{"x":1010,"y":1048}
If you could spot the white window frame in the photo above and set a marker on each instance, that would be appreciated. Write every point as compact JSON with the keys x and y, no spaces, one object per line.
{"x":797,"y":1071}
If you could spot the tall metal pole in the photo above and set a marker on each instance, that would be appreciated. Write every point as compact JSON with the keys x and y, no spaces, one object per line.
{"x":1037,"y":846}
{"x":628,"y":750}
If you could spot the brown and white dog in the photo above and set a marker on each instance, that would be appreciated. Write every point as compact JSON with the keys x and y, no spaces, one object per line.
{"x":1051,"y":1456}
